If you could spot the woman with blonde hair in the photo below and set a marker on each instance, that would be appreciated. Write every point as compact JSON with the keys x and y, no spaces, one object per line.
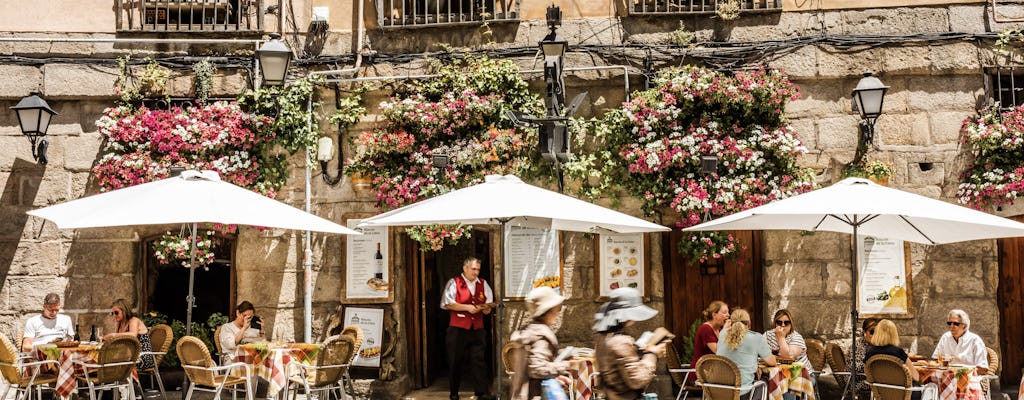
{"x":886,"y":340}
{"x":716,"y":316}
{"x":743,"y":346}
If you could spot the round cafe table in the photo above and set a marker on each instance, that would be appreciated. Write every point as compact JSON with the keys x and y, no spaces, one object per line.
{"x":793,"y":378}
{"x":66,"y":357}
{"x":955,"y":383}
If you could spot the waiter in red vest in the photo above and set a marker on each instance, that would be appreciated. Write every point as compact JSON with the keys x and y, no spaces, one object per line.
{"x":468,"y":298}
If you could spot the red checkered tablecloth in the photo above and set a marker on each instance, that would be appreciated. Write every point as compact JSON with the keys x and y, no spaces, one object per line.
{"x":66,"y":357}
{"x":582,"y":371}
{"x":271,"y":362}
{"x":789,"y":378}
{"x":954,"y":383}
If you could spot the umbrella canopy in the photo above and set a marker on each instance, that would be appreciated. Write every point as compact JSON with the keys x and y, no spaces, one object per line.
{"x":192,"y":197}
{"x":507,"y":200}
{"x":861,"y":207}
{"x":875,"y":210}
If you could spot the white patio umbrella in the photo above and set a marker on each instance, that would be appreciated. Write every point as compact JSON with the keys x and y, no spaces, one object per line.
{"x":506,"y":200}
{"x":861,"y":207}
{"x":193,"y":197}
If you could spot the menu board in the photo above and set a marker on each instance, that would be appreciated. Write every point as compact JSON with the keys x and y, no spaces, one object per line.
{"x":532,"y":260}
{"x":367,"y":265}
{"x":883,"y":288}
{"x":621,"y":262}
{"x":371,"y":320}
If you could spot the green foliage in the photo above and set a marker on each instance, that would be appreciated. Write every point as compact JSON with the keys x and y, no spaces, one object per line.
{"x":681,"y":37}
{"x":871,"y":169}
{"x":689,"y":340}
{"x":350,"y":110}
{"x":131,"y":89}
{"x":728,"y":10}
{"x":296,"y":126}
{"x":203,"y":78}
{"x":202,"y":331}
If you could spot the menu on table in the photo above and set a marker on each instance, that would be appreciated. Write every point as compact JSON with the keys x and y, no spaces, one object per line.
{"x":883,"y":267}
{"x":532,"y":260}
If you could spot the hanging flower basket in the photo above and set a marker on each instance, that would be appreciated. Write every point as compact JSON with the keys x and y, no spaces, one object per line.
{"x":176,"y":249}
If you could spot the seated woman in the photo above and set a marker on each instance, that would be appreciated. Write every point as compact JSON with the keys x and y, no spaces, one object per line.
{"x":538,"y":338}
{"x":863,"y":343}
{"x":716,"y":317}
{"x":886,"y":341}
{"x":127,"y":324}
{"x":964,"y":346}
{"x":242,"y":329}
{"x":739,"y":344}
{"x":786,"y":342}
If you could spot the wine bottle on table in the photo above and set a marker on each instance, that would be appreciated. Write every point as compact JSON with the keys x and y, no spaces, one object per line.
{"x":378,"y":260}
{"x":77,"y":337}
{"x":92,"y":334}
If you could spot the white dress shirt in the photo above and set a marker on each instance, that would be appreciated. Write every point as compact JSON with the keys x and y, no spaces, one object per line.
{"x":448,"y":296}
{"x":970,"y":349}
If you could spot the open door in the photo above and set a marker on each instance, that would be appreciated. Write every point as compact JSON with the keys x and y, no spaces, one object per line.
{"x":1010,"y":300}
{"x":427,"y":322}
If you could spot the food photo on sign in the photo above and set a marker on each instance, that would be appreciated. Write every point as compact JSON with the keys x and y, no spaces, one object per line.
{"x":371,"y":320}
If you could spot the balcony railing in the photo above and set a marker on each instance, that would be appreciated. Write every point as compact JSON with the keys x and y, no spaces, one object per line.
{"x":413,"y":13}
{"x":654,"y":7}
{"x":190,"y":15}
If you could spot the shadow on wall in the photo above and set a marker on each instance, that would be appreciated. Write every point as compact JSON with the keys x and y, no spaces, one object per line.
{"x":18,"y":197}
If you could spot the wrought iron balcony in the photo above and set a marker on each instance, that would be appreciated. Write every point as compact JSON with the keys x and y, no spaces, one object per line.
{"x":415,"y":13}
{"x":190,"y":15}
{"x":654,"y":7}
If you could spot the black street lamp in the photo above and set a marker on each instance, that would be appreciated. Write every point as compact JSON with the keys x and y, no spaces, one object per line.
{"x":553,"y":47}
{"x":274,"y":57}
{"x":34,"y":118}
{"x":867,"y":100}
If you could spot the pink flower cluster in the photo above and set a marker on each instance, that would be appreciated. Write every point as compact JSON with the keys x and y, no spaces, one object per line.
{"x":996,"y":176}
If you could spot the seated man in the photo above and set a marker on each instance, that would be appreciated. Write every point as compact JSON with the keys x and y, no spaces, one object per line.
{"x":47,"y":327}
{"x":964,"y":346}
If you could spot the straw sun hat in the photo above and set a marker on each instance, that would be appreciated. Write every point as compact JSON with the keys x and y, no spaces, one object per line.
{"x":624,"y":304}
{"x":542,"y":299}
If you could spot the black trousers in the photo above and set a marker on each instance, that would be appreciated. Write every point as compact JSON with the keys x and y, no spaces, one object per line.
{"x":468,"y":344}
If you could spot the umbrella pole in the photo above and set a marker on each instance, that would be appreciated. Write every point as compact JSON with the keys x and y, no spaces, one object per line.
{"x":500,"y":314}
{"x":854,"y":256}
{"x":191,"y":300}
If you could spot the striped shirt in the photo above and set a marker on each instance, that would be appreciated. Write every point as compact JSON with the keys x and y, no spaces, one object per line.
{"x":794,"y":340}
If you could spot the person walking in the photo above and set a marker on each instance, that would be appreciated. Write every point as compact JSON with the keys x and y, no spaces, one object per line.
{"x":540,"y":346}
{"x":625,"y":369}
{"x":467,"y":297}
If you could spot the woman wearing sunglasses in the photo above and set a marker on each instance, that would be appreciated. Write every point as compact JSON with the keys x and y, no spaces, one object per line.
{"x":128,"y":324}
{"x":863,"y":342}
{"x":964,"y":346}
{"x":786,"y":342}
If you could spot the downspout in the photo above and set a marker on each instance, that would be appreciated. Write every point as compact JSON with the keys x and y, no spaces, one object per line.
{"x":307,"y":254}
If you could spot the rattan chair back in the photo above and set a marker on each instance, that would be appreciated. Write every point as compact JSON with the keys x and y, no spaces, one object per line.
{"x":816,"y":354}
{"x":718,"y":370}
{"x":336,"y":352}
{"x":673,"y":361}
{"x":216,"y":341}
{"x":160,"y":336}
{"x":356,"y":333}
{"x":510,"y":354}
{"x":193,"y":352}
{"x":993,"y":361}
{"x":837,"y":362}
{"x":9,"y":356}
{"x":120,"y":349}
{"x":888,"y":370}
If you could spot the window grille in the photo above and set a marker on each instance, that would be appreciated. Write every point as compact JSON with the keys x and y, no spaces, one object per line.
{"x":414,"y":13}
{"x":654,"y":7}
{"x":1004,"y":86}
{"x":190,"y":15}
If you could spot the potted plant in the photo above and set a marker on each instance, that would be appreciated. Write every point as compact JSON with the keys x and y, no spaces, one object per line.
{"x":876,"y":171}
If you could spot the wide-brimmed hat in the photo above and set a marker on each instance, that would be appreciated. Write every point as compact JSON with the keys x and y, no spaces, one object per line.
{"x":625,"y":304}
{"x":542,"y":299}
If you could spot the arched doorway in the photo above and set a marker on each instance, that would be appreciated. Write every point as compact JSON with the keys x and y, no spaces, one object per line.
{"x":165,"y":286}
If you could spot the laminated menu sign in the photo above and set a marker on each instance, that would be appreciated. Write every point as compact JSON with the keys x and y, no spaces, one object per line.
{"x":532,"y":260}
{"x":621,"y":262}
{"x":371,"y":320}
{"x":883,"y":289}
{"x":367,"y":272}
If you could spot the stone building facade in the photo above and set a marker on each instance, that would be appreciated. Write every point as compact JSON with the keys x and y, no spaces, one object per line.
{"x":931,"y":52}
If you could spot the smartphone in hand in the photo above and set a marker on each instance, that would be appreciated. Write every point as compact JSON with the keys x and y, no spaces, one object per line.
{"x":256,"y":322}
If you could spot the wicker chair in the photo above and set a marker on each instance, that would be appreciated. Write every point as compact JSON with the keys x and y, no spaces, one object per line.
{"x":679,"y":372}
{"x":816,"y":355}
{"x":113,"y":369}
{"x":836,"y":360}
{"x":509,"y":355}
{"x":356,"y":333}
{"x":204,"y":375}
{"x":222,"y":357}
{"x":22,"y":377}
{"x":160,"y":336}
{"x":890,"y":380}
{"x":326,"y":373}
{"x":719,"y":379}
{"x":993,"y":373}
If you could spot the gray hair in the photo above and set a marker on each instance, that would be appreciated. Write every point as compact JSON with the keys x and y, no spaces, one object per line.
{"x":962,"y":315}
{"x":51,"y":299}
